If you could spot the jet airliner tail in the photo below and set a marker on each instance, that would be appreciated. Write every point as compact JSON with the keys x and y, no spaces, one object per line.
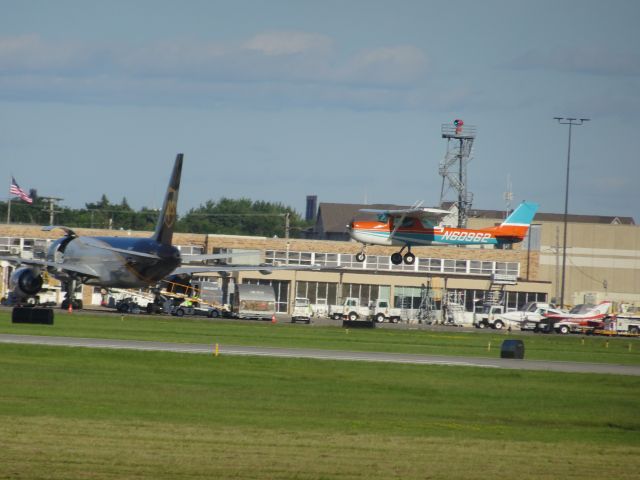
{"x":164,"y":228}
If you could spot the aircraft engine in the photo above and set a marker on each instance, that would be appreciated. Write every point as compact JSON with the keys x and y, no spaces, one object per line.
{"x":26,"y":281}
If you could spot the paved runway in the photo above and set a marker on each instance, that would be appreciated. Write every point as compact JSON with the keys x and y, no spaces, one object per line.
{"x":571,"y":367}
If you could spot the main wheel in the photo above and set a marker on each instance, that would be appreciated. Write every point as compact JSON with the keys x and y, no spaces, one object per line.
{"x":360,"y":257}
{"x":336,"y":316}
{"x":563,"y":329}
{"x":380,"y":318}
{"x":498,"y":325}
{"x":409,"y":258}
{"x":396,"y":258}
{"x":353,"y":316}
{"x":180,"y":312}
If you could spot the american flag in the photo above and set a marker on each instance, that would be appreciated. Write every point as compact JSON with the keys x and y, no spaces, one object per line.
{"x":14,"y":189}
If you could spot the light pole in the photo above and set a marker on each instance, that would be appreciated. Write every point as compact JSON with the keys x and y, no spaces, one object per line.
{"x":571,"y":122}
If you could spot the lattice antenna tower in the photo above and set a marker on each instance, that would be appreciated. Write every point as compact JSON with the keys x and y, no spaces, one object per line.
{"x":453,"y":168}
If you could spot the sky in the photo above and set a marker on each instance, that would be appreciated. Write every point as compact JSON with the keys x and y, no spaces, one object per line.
{"x":343,"y":99}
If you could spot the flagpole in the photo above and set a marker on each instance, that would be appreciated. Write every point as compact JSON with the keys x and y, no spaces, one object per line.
{"x":9,"y":211}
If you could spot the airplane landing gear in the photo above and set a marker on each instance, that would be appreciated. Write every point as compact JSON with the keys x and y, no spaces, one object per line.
{"x":361,"y":256}
{"x":409,"y":258}
{"x":396,"y":258}
{"x":70,"y":297}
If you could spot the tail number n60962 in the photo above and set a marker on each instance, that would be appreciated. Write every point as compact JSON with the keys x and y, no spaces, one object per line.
{"x":478,"y":237}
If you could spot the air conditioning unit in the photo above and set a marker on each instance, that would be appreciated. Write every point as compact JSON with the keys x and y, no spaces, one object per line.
{"x":14,"y":250}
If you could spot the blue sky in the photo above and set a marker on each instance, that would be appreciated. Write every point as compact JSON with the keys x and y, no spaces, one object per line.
{"x":275,"y":100}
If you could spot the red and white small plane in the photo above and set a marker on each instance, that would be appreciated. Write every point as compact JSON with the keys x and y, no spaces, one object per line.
{"x":419,"y":226}
{"x":585,"y":315}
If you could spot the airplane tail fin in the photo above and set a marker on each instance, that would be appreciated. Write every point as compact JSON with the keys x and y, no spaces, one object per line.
{"x":516,"y":225}
{"x":603,"y":307}
{"x":164,"y":228}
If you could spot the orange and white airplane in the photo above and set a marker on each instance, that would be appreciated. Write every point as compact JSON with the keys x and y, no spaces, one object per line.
{"x":419,"y":226}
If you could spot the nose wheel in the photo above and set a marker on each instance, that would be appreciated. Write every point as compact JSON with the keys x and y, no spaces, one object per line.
{"x":360,"y":256}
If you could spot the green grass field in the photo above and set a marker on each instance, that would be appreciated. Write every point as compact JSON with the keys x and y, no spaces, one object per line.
{"x":76,"y":413}
{"x":237,"y":332}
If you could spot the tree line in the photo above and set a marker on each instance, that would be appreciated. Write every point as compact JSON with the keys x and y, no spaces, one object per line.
{"x":225,"y":216}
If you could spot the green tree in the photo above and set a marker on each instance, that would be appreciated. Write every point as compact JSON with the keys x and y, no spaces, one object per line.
{"x":242,"y":217}
{"x":225,"y":216}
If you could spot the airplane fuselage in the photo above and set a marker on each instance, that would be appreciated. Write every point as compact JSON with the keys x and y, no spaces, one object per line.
{"x":106,"y":262}
{"x":380,"y":233}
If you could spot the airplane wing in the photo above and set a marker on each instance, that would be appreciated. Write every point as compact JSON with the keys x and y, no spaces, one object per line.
{"x":217,"y":256}
{"x":126,"y":252}
{"x":185,"y":269}
{"x":47,"y":265}
{"x":434,"y":215}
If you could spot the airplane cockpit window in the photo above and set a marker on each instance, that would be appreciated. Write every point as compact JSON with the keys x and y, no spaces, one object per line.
{"x":408,"y":222}
{"x":427,"y":223}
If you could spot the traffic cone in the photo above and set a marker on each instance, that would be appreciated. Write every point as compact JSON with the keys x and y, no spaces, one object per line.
{"x":70,"y":307}
{"x":273,"y":318}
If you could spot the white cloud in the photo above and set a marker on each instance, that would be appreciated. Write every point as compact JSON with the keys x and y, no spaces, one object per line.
{"x":272,"y":68}
{"x":29,"y":53}
{"x":289,"y":43}
{"x":389,"y":65}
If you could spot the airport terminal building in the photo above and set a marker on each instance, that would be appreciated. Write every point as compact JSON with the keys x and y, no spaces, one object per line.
{"x":602,"y":261}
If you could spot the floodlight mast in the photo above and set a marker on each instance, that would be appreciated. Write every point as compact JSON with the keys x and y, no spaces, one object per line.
{"x":571,"y":122}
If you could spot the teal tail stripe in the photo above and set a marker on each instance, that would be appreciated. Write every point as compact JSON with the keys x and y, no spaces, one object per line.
{"x":523,"y":215}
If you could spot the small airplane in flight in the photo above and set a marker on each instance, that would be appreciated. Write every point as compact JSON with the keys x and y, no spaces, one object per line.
{"x":419,"y":226}
{"x":120,"y":262}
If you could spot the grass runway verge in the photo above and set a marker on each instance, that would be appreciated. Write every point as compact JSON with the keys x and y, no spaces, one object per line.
{"x":68,"y":413}
{"x":578,"y":348}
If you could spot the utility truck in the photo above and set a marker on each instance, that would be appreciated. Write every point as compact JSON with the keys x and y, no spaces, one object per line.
{"x":623,"y":324}
{"x":302,"y":311}
{"x":383,"y":312}
{"x":378,"y":311}
{"x":489,"y":316}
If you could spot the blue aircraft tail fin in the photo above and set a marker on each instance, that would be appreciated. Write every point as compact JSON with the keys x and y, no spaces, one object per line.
{"x":164,"y":228}
{"x":522,"y":215}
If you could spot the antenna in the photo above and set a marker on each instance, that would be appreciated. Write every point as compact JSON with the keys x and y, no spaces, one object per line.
{"x":51,"y":209}
{"x":508,"y":195}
